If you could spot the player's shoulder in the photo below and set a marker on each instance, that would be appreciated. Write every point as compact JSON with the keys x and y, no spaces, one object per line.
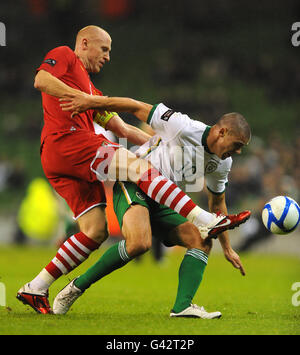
{"x":199,"y":126}
{"x":62,"y":51}
{"x":162,"y":112}
{"x":188,"y":128}
{"x":194,"y":131}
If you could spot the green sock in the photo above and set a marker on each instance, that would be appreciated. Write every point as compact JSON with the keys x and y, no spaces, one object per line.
{"x":114,"y":258}
{"x":190,"y":276}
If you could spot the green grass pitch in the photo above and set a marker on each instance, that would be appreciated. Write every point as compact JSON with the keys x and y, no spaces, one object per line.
{"x":137,"y":299}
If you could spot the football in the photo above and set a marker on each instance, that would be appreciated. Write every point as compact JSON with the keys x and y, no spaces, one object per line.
{"x":281,"y":215}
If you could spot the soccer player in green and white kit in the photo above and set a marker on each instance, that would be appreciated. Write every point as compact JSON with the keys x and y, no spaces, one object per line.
{"x":139,"y":216}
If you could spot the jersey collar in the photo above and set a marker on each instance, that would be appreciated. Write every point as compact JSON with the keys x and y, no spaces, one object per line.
{"x":204,"y":139}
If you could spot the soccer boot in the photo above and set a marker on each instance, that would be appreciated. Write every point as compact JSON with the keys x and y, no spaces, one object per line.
{"x":66,"y":297}
{"x":194,"y":311}
{"x":222,"y":223}
{"x":35,"y":299}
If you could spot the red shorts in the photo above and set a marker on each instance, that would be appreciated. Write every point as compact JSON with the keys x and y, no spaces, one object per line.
{"x":67,"y":160}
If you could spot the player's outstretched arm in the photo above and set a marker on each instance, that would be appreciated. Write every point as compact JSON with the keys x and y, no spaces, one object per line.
{"x":79,"y":102}
{"x":124,"y":104}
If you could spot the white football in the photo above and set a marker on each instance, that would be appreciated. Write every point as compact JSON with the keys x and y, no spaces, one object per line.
{"x":281,"y":215}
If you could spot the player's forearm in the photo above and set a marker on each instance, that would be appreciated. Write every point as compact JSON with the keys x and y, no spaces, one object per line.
{"x":136,"y":135}
{"x":122,"y":104}
{"x":224,"y":241}
{"x":124,"y":130}
{"x":217,"y":203}
{"x":50,"y":85}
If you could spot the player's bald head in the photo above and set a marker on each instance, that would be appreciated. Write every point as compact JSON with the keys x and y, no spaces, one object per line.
{"x":93,"y":46}
{"x":236,"y":124}
{"x":92,"y":32}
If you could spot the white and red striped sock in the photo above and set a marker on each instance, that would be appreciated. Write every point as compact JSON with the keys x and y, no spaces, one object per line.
{"x":166,"y":192}
{"x":72,"y":253}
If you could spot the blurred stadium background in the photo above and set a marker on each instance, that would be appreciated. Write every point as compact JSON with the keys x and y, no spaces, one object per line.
{"x":201,"y":58}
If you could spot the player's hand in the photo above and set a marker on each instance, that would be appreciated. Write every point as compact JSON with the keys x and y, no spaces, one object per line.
{"x":234,"y":259}
{"x":76,"y":103}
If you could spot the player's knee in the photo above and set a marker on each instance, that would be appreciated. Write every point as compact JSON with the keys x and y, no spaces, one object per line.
{"x":98,"y":233}
{"x":138,"y":247}
{"x":94,"y":225}
{"x":191,"y":238}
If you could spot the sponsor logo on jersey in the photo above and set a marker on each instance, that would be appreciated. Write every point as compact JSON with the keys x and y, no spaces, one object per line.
{"x":167,"y":115}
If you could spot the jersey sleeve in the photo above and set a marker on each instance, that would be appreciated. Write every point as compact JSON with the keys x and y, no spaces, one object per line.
{"x":166,"y":122}
{"x":216,"y":181}
{"x":57,"y":61}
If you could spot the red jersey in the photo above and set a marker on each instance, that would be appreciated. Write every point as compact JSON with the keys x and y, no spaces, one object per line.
{"x":63,"y":63}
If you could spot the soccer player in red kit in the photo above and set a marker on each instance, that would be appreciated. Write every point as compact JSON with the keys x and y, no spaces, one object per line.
{"x":75,"y":160}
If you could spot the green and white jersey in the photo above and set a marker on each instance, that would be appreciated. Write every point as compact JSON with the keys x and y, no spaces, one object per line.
{"x":179,"y":151}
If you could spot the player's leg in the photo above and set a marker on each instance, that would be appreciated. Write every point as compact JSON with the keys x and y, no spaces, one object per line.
{"x":138,"y":236}
{"x":90,"y":215}
{"x":175,"y":230}
{"x":191,"y":272}
{"x":76,"y":249}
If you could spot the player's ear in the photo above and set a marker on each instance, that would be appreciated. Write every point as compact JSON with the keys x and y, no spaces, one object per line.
{"x":84,"y":43}
{"x":222,"y":131}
